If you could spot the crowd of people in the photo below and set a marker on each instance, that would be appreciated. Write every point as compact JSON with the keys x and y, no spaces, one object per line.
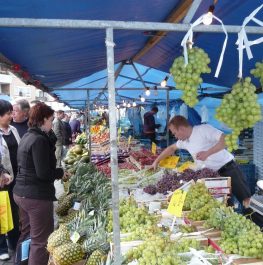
{"x":33,"y":140}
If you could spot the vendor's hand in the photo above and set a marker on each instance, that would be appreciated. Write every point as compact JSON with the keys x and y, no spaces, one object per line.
{"x":203,"y":155}
{"x":154,"y":165}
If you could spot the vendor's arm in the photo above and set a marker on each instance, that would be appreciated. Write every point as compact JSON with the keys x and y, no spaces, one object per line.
{"x":220,"y":145}
{"x":166,"y":152}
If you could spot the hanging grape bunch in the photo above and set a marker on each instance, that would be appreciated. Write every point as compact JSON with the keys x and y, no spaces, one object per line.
{"x":239,"y":110}
{"x":188,"y":77}
{"x":258,"y":72}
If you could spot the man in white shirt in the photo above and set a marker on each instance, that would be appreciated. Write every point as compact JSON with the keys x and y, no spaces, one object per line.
{"x":206,"y":145}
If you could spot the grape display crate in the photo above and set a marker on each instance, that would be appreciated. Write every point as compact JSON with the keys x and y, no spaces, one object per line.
{"x":214,"y":236}
{"x":217,"y":186}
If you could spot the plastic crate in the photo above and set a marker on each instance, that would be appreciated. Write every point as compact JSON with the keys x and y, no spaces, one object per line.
{"x":249,"y":171}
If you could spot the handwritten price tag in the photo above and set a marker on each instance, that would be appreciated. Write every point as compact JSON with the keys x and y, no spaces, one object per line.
{"x":129,"y":140}
{"x":169,"y":162}
{"x":177,"y":202}
{"x":75,"y":237}
{"x":154,"y":148}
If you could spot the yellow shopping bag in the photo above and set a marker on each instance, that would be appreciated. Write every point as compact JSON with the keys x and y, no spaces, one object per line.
{"x":6,"y":220}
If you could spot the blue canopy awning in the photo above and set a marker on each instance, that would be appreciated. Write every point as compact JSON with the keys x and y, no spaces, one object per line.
{"x":61,"y":56}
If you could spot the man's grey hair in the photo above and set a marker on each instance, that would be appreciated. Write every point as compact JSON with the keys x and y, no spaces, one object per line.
{"x":23,"y":103}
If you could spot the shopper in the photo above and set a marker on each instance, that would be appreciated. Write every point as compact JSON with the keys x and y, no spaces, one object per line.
{"x":149,"y":125}
{"x":20,"y":116}
{"x":206,"y":145}
{"x":67,"y":133}
{"x":75,"y":125}
{"x":58,"y":130}
{"x":9,"y":143}
{"x":34,"y":191}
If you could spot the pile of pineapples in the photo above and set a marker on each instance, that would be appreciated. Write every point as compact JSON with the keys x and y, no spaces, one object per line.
{"x":82,"y":233}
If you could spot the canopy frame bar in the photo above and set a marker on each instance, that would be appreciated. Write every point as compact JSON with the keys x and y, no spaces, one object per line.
{"x":127,"y":25}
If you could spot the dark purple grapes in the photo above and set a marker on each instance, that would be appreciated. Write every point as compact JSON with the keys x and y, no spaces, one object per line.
{"x":172,"y":181}
{"x":151,"y":189}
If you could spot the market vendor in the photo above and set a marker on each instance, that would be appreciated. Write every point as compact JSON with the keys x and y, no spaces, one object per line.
{"x":206,"y":145}
{"x":149,"y":125}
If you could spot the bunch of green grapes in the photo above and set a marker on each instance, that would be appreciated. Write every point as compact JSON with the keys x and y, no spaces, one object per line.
{"x":161,"y":251}
{"x":218,"y":216}
{"x":236,"y":224}
{"x":204,"y":212}
{"x":131,"y":217}
{"x":251,"y":244}
{"x":143,"y":232}
{"x":258,"y":72}
{"x":241,"y":236}
{"x":156,"y":251}
{"x":188,"y":77}
{"x":229,"y":245}
{"x":187,"y":228}
{"x":239,"y":110}
{"x":184,"y":245}
{"x":196,"y":197}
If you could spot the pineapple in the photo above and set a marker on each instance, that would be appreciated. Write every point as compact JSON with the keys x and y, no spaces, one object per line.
{"x":66,"y":219}
{"x":57,"y":238}
{"x":97,"y":257}
{"x":68,"y":254}
{"x":65,"y":205}
{"x":62,"y":197}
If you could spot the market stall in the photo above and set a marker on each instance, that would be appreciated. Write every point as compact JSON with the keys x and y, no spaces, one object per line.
{"x":88,"y":184}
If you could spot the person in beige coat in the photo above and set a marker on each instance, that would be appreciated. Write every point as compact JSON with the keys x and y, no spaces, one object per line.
{"x":9,"y":140}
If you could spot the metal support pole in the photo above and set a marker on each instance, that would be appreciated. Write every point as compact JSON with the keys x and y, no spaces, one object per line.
{"x":190,"y":14}
{"x":167,"y":116}
{"x":88,"y":122}
{"x":139,"y":75}
{"x":113,"y":146}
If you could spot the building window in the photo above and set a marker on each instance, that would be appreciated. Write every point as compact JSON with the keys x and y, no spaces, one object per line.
{"x":22,"y":92}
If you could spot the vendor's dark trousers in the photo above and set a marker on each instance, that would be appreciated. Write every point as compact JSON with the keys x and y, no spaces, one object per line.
{"x":37,"y":220}
{"x":13,"y":235}
{"x":151,"y":136}
{"x":240,"y":188}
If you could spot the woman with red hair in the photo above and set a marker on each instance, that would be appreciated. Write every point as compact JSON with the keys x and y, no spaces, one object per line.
{"x":34,"y":190}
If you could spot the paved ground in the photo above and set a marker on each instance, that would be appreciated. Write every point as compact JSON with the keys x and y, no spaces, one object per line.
{"x":9,"y":262}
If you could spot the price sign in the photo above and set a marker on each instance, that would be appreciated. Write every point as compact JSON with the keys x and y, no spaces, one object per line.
{"x":154,"y":148}
{"x":169,"y":162}
{"x":75,"y":237}
{"x":76,"y":206}
{"x":119,"y":135}
{"x":185,"y":166}
{"x":129,"y":140}
{"x":177,"y":202}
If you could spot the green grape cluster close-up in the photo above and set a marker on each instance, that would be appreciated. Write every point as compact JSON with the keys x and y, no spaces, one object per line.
{"x":239,"y":110}
{"x":204,"y":212}
{"x":132,"y":218}
{"x":239,"y":234}
{"x":143,"y":232}
{"x":188,"y":77}
{"x":258,"y":72}
{"x":197,"y":196}
{"x":161,"y":251}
